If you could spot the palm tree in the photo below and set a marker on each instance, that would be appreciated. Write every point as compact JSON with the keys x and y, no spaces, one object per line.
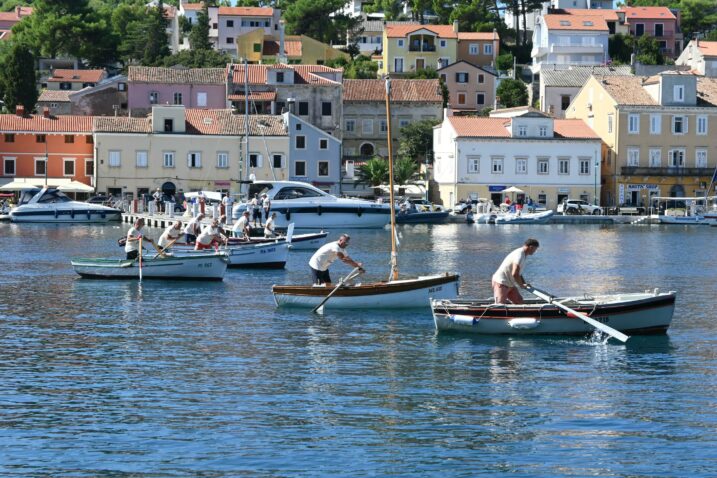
{"x":404,"y":170}
{"x":374,"y":173}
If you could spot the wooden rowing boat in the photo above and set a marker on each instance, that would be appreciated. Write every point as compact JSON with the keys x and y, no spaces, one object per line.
{"x":272,"y":255}
{"x":205,"y":266}
{"x":631,"y":313}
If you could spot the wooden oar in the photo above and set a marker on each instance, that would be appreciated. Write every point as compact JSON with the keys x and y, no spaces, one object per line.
{"x":140,"y":258}
{"x":598,"y":325}
{"x":162,"y":250}
{"x":319,"y":309}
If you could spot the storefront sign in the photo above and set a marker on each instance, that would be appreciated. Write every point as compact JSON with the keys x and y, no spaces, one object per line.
{"x":496,"y":189}
{"x":222,"y":184}
{"x":640,"y":187}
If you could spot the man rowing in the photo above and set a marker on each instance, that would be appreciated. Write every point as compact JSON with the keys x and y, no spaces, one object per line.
{"x":326,"y":255}
{"x":170,"y":236}
{"x":134,"y":235}
{"x":509,"y":277}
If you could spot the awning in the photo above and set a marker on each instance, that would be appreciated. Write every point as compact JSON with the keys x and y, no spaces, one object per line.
{"x":76,"y":187}
{"x":19,"y":184}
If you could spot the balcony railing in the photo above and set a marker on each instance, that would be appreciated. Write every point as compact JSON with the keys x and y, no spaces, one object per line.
{"x":558,"y":48}
{"x":422,"y":48}
{"x":669,"y":171}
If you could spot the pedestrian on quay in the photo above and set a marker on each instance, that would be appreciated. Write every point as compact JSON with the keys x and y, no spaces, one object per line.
{"x":131,"y":246}
{"x":326,"y":255}
{"x":509,"y":277}
{"x":193,"y":228}
{"x":255,"y":210}
{"x":157,"y":200}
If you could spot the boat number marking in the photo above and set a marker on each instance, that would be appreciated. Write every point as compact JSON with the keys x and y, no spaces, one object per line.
{"x":435,"y":289}
{"x":206,"y":264}
{"x":266,"y":251}
{"x":604,"y":320}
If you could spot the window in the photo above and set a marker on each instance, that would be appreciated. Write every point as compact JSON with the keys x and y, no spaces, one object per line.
{"x":442,"y":43}
{"x":639,"y":29}
{"x":679,"y":124}
{"x":303,"y":108}
{"x":230,"y":24}
{"x":154,"y":97}
{"x":9,"y":138}
{"x":40,"y":166}
{"x":701,"y":158}
{"x":201,"y":99}
{"x":323,"y":143}
{"x":230,"y":40}
{"x":69,"y":139}
{"x":168,"y":125}
{"x":461,"y":77}
{"x":473,"y":164}
{"x":461,"y":98}
{"x":222,"y":160}
{"x":298,"y":127}
{"x":677,"y":158}
{"x":701,"y":125}
{"x":543,"y":166}
{"x":69,"y":167}
{"x":89,"y":140}
{"x":522,"y":130}
{"x":543,"y":131}
{"x":609,"y":123}
{"x":141,"y":159}
{"x":325,"y":108}
{"x":115,"y":159}
{"x":350,"y":126}
{"x":168,"y":159}
{"x":65,"y":86}
{"x":323,"y":168}
{"x":194,"y":160}
{"x":481,"y":79}
{"x":400,"y":43}
{"x":257,"y":47}
{"x":121,"y":86}
{"x":633,"y":157}
{"x":480,"y":98}
{"x":496,"y":165}
{"x":403,"y":122}
{"x":40,"y":138}
{"x":584,"y":167}
{"x":473,"y":49}
{"x":89,"y":167}
{"x":678,"y":92}
{"x":277,"y":161}
{"x":564,"y":102}
{"x":487,"y":49}
{"x":300,"y":142}
{"x":8,"y":167}
{"x":300,"y":168}
{"x":633,"y":124}
{"x":655,"y":124}
{"x":367,"y":126}
{"x":563,"y":166}
{"x":521,"y":165}
{"x":255,"y":160}
{"x":542,"y":198}
{"x":177,"y":98}
{"x":655,"y":158}
{"x":279,"y":76}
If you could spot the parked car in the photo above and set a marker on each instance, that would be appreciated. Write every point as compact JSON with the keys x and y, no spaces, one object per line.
{"x":578,"y":206}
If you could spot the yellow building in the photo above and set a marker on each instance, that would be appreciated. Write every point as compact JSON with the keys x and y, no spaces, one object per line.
{"x":407,"y":48}
{"x":656,"y":134}
{"x":257,"y":47}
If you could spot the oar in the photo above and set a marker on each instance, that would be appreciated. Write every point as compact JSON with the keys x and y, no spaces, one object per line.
{"x":162,"y":250}
{"x":320,"y":308}
{"x":598,"y":325}
{"x":140,"y":258}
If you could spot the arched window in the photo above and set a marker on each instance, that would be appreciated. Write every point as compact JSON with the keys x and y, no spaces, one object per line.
{"x":366,"y":149}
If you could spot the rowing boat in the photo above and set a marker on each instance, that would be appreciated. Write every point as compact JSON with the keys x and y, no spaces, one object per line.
{"x":206,"y":266}
{"x":272,"y":255}
{"x":631,"y":313}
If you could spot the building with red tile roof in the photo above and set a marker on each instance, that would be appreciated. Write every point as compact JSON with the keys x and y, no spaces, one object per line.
{"x":478,"y":48}
{"x":661,"y":23}
{"x":13,"y":17}
{"x":564,"y":40}
{"x":73,"y":80}
{"x":410,"y":47}
{"x":700,"y":56}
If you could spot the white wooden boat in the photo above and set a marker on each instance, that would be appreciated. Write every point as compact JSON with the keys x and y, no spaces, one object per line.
{"x":631,"y":313}
{"x":271,"y":255}
{"x":308,"y":241}
{"x":527,"y":218}
{"x":205,"y":266}
{"x":395,"y":294}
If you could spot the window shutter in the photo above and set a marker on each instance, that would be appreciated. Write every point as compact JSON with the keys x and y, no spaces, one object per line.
{"x":259,"y":161}
{"x":458,"y":78}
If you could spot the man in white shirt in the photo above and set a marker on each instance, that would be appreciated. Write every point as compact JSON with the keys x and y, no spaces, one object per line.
{"x":241,"y":227}
{"x":158,"y":200}
{"x":228,"y":202}
{"x":266,"y":204}
{"x":170,"y":235}
{"x":192,"y":229}
{"x":328,"y":253}
{"x":269,"y":226}
{"x":134,"y":234}
{"x":509,"y":276}
{"x":210,"y":236}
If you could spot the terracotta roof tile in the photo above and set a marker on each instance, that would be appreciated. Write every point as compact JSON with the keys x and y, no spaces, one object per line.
{"x":708,"y":48}
{"x":12,"y":16}
{"x":57,"y":96}
{"x":304,"y":74}
{"x":84,"y":76}
{"x":606,"y":14}
{"x":201,"y":76}
{"x":648,"y":13}
{"x":400,"y":31}
{"x":378,"y":25}
{"x":575,"y":22}
{"x":247,"y":11}
{"x":629,"y":90}
{"x":54,"y":124}
{"x":122,"y":124}
{"x":707,"y":91}
{"x":255,"y":96}
{"x":192,"y":6}
{"x":427,"y":91}
{"x":573,"y":129}
{"x":292,"y":47}
{"x":471,"y":126}
{"x":476,"y":35}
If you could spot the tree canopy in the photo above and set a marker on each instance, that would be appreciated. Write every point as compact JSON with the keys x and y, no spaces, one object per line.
{"x":17,"y":78}
{"x":512,"y":93}
{"x":416,"y":140}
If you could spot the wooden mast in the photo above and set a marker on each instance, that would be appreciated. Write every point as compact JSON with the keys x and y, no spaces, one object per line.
{"x":394,"y":253}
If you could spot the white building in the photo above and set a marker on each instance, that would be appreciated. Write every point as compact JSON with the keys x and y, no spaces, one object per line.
{"x":190,"y":11}
{"x":549,"y":159}
{"x":700,"y":56}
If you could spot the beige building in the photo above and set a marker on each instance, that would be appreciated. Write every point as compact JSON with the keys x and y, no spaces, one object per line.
{"x":478,"y":48}
{"x":179,"y":150}
{"x":470,"y":87}
{"x":73,"y":80}
{"x":656,"y":134}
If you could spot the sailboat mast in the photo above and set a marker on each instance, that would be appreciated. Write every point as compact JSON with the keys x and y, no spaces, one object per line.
{"x":394,"y":252}
{"x":246,"y":121}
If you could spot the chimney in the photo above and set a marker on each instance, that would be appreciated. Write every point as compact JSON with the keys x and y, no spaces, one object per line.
{"x":230,"y":83}
{"x":455,"y":26}
{"x":20,"y":110}
{"x":46,"y":112}
{"x":291,"y":102}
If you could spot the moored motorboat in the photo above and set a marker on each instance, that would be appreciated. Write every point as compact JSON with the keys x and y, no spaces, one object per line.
{"x":248,"y":255}
{"x":633,"y":313}
{"x":52,"y":205}
{"x":421,"y":217}
{"x":205,"y":266}
{"x":395,"y":294}
{"x":527,"y":218}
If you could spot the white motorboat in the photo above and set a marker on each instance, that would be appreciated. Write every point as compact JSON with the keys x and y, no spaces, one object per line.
{"x":264,"y":255}
{"x":687,"y":210}
{"x":527,"y":218}
{"x":309,"y":207}
{"x":205,"y":266}
{"x":633,"y":313}
{"x":52,"y":205}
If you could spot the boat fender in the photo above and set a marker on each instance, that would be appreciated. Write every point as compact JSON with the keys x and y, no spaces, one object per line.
{"x":524,"y":323}
{"x":72,"y":213}
{"x":56,"y":213}
{"x":287,"y":214}
{"x":359,"y":211}
{"x":89,"y":215}
{"x":464,"y":319}
{"x":318,"y":210}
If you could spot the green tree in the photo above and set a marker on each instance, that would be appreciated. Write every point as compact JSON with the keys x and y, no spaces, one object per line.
{"x":405,"y":169}
{"x":198,"y":59}
{"x":620,"y":48}
{"x":512,"y":93}
{"x":199,"y":36}
{"x":391,"y":8}
{"x":157,"y":42}
{"x":505,"y":61}
{"x":318,"y":19}
{"x":17,"y":78}
{"x":428,"y":73}
{"x":475,"y":16}
{"x":697,"y":16}
{"x":648,"y":51}
{"x":416,"y":140}
{"x":373,"y":173}
{"x":711,"y":36}
{"x":128,"y":24}
{"x":361,"y":67}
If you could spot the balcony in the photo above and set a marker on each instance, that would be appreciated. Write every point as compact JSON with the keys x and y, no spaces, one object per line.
{"x":674,"y":171}
{"x":425,"y":47}
{"x":585,"y":49}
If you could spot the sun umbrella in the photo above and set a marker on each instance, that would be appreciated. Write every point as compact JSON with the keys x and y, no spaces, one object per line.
{"x":17,"y":186}
{"x":513,"y":189}
{"x":76,"y":187}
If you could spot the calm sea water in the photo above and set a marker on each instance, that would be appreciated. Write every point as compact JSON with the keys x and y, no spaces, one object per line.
{"x":113,"y":378}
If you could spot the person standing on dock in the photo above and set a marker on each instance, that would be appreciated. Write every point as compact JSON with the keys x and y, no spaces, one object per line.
{"x":266,"y":205}
{"x":134,"y":234}
{"x":509,"y":277}
{"x":256,"y":209}
{"x":170,"y":236}
{"x":242,"y":229}
{"x":157,"y":201}
{"x":193,"y":228}
{"x":326,"y":255}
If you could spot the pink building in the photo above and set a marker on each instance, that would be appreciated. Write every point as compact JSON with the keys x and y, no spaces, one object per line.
{"x":658,"y":22}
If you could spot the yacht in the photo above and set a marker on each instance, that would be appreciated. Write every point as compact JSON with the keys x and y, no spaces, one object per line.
{"x":52,"y":205}
{"x":309,"y":207}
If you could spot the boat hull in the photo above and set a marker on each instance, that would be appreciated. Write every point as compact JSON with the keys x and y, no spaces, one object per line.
{"x":644,"y":313}
{"x":410,"y":293}
{"x":25,"y":214}
{"x":528,"y":218}
{"x":258,"y":256}
{"x":199,"y":266}
{"x":429,"y":217}
{"x":310,"y":241}
{"x":691,"y":220}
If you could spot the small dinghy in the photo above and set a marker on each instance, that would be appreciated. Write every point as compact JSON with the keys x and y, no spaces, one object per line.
{"x":205,"y":266}
{"x":632,"y":313}
{"x":527,"y":218}
{"x":270,"y":255}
